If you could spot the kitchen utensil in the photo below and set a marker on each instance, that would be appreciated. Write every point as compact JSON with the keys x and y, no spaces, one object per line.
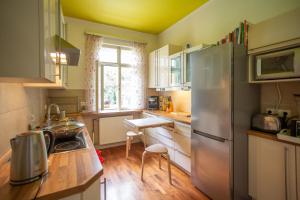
{"x":266,"y":123}
{"x":29,"y":157}
{"x":65,"y":129}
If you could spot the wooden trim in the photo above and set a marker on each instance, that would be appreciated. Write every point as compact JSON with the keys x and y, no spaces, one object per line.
{"x":269,"y":136}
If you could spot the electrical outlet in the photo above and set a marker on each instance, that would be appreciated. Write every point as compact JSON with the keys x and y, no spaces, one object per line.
{"x":278,"y":112}
{"x":282,"y":111}
{"x":272,"y":111}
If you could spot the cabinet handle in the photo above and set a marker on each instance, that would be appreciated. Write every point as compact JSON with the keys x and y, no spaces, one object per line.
{"x":285,"y":172}
{"x":104,"y":184}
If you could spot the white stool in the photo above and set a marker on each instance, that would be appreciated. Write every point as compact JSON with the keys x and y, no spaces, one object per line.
{"x":130,"y":135}
{"x":157,"y":149}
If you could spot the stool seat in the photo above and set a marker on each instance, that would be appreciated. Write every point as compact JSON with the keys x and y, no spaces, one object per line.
{"x":132,"y":134}
{"x":129,"y":138}
{"x":157,"y":148}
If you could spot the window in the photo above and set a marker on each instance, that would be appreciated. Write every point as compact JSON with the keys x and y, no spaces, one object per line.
{"x":116,"y":77}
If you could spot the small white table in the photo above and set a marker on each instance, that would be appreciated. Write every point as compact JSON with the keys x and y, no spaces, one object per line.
{"x":138,"y":125}
{"x":151,"y":122}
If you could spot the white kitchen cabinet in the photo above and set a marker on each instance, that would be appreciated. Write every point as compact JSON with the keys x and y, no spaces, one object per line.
{"x":272,"y":169}
{"x":152,"y":79}
{"x":159,"y":66}
{"x":176,"y":62}
{"x":177,"y":140}
{"x":27,"y":38}
{"x":91,"y":193}
{"x":280,"y":31}
{"x":182,"y":161}
{"x":57,"y":27}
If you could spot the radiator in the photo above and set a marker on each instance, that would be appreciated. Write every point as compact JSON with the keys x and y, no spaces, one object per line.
{"x":112,"y":129}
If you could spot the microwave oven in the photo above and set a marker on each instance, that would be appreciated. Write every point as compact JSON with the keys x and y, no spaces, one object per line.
{"x":282,"y":64}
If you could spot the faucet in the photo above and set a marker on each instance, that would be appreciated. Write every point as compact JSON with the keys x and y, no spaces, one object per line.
{"x":49,"y":110}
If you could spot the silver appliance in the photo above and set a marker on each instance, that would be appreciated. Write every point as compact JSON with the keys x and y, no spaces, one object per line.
{"x":29,"y":157}
{"x":279,"y":64}
{"x":222,"y":104}
{"x":266,"y":123}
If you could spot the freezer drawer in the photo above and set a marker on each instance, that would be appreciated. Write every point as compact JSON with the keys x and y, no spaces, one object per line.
{"x":211,"y":166}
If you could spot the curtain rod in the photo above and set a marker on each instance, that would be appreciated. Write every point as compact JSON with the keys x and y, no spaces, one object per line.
{"x":113,"y":37}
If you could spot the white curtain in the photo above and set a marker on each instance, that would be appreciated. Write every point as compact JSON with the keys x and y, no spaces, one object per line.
{"x":139,"y":74}
{"x":92,"y":46}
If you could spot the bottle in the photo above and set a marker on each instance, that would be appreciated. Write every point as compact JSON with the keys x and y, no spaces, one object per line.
{"x":171,"y":107}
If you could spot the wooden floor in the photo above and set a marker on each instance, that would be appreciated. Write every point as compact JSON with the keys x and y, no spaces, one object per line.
{"x":124,"y":183}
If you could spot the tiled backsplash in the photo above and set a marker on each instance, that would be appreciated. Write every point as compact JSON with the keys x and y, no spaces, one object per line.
{"x":181,"y":100}
{"x":17,"y":104}
{"x":269,"y":96}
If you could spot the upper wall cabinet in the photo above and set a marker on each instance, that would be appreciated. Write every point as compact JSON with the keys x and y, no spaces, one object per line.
{"x":28,"y":37}
{"x":180,"y":68}
{"x":274,"y":33}
{"x":159,"y":66}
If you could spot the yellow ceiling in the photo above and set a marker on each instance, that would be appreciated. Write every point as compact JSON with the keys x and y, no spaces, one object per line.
{"x":151,"y":16}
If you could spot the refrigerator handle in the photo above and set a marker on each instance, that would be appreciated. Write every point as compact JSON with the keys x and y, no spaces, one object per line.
{"x":209,"y":136}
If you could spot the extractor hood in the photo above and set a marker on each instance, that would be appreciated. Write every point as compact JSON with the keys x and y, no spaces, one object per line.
{"x":69,"y":54}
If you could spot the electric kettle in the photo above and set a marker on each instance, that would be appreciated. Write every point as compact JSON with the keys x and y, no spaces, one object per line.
{"x":29,"y":156}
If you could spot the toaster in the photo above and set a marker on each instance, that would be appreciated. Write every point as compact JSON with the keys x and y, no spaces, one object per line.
{"x":266,"y":123}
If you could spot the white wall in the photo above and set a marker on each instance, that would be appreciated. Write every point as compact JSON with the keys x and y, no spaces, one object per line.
{"x":213,"y":21}
{"x":75,"y":35}
{"x":17,"y":104}
{"x":216,"y":18}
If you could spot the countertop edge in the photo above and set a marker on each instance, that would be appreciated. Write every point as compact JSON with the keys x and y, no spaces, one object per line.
{"x":269,"y":136}
{"x":73,"y":190}
{"x":167,"y":117}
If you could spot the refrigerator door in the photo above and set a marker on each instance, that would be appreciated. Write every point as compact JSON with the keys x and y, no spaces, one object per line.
{"x":211,"y":90}
{"x":211,"y":165}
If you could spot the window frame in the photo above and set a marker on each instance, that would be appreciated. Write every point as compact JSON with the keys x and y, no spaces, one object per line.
{"x":119,"y":65}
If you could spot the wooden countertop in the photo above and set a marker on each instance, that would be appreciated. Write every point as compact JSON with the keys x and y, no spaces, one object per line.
{"x":269,"y":136}
{"x":69,"y":173}
{"x":173,"y":116}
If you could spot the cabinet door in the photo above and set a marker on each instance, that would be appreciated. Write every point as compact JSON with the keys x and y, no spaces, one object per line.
{"x":163,"y":67}
{"x":182,"y":160}
{"x":187,"y":70}
{"x":175,"y":70}
{"x":271,"y":169}
{"x":50,"y":29}
{"x":152,"y":82}
{"x":19,"y":39}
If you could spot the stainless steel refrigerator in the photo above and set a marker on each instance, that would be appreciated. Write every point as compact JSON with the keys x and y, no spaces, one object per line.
{"x":222,"y":105}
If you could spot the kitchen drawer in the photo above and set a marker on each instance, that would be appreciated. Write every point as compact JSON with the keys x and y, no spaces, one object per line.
{"x":182,"y":144}
{"x":183,"y":129}
{"x":151,"y":140}
{"x":182,"y":161}
{"x":165,"y":132}
{"x":165,"y":140}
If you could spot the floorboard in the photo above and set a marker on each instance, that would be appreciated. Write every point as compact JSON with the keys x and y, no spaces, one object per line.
{"x":124,"y":183}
